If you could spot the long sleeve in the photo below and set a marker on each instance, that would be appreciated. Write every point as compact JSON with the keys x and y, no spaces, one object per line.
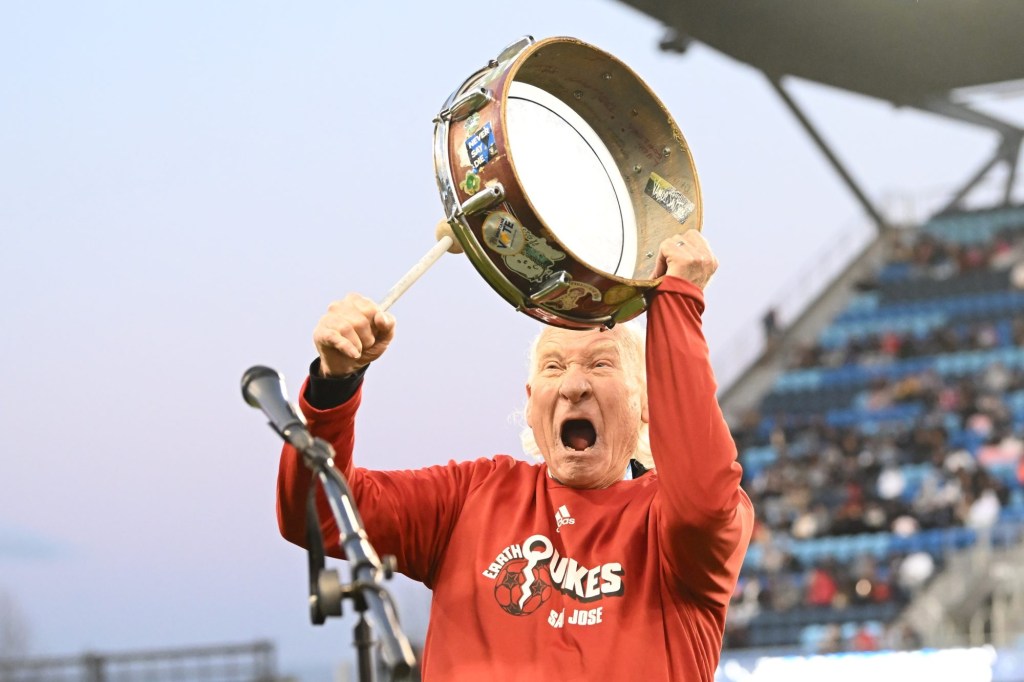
{"x":705,"y":518}
{"x":294,"y":479}
{"x":409,"y":514}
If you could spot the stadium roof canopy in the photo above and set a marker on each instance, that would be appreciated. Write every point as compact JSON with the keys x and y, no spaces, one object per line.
{"x":908,"y":52}
{"x":903,"y":51}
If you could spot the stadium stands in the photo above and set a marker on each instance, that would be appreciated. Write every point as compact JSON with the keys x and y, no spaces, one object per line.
{"x":894,"y":441}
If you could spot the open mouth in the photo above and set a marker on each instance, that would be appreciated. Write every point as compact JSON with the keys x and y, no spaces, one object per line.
{"x":578,"y":434}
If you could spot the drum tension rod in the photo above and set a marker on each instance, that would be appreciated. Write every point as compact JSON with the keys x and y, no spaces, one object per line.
{"x":481,"y":201}
{"x":466,"y":104}
{"x":551,"y":288}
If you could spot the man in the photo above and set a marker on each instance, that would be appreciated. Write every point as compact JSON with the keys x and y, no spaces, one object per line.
{"x":583,"y":567}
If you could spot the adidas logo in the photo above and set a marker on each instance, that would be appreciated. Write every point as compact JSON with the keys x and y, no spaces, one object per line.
{"x":563,"y":518}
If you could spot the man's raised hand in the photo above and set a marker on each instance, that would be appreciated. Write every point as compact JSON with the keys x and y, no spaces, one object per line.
{"x":353,"y":333}
{"x":687,"y":256}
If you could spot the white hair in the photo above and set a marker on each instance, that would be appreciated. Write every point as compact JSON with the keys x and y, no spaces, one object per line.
{"x":631,"y":350}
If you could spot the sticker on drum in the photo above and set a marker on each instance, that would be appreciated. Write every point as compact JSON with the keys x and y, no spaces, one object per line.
{"x":481,"y":146}
{"x":571,"y":298}
{"x":537,"y":258}
{"x":671,"y":199}
{"x":619,"y":294}
{"x":471,"y":183}
{"x":503,"y":233}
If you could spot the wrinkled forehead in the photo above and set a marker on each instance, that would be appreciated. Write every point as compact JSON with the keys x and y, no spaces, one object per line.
{"x":557,"y":341}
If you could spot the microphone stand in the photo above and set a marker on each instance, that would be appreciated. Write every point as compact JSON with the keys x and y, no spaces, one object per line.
{"x":326,"y":591}
{"x":263,"y":388}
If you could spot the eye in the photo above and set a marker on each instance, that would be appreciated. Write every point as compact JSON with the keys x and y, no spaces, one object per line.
{"x":603,"y":363}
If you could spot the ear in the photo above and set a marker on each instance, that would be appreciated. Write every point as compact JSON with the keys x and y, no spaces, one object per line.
{"x":526,"y":410}
{"x":645,"y":414}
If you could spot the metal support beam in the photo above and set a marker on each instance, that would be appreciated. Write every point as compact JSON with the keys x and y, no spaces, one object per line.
{"x":1014,"y":160}
{"x":1008,"y":150}
{"x":880,"y":223}
{"x":954,"y":203}
{"x":944,"y":106}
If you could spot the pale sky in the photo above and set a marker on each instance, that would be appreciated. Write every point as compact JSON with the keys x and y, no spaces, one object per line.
{"x":185,"y":186}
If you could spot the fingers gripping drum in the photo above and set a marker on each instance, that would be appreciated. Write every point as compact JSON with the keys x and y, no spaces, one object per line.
{"x":687,"y":256}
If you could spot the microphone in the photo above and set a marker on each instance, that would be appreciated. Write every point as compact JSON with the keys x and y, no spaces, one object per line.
{"x":263,"y":388}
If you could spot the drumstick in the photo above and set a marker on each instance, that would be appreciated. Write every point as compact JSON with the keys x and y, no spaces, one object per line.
{"x":445,"y":242}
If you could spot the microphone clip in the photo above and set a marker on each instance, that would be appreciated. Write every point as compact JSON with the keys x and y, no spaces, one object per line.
{"x":316,"y":452}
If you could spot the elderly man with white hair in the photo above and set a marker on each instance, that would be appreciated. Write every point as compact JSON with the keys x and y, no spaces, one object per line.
{"x":589,"y":565}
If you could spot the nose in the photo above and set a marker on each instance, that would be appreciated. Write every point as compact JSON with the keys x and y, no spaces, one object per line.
{"x":575,"y":385}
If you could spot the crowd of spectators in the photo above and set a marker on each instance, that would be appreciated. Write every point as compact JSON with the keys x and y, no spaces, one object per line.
{"x":928,"y":258}
{"x":827,"y":480}
{"x":889,"y":346}
{"x":937,"y":259}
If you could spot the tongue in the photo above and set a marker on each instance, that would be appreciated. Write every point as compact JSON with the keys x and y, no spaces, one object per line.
{"x":578,"y":434}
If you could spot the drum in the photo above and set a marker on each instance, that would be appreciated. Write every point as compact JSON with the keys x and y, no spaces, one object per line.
{"x":561,"y":173}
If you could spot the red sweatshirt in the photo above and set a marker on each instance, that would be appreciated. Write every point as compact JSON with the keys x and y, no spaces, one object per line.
{"x":533,"y":580}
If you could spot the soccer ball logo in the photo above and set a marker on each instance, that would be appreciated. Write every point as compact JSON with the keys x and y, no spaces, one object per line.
{"x":521,"y":590}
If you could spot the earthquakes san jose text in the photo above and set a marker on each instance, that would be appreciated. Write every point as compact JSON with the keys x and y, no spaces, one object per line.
{"x":570,"y":577}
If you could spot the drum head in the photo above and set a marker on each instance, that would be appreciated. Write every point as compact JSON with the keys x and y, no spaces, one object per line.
{"x":555,"y":150}
{"x":561,"y":174}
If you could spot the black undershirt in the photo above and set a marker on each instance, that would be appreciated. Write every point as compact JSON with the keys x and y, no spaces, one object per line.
{"x":325,"y":393}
